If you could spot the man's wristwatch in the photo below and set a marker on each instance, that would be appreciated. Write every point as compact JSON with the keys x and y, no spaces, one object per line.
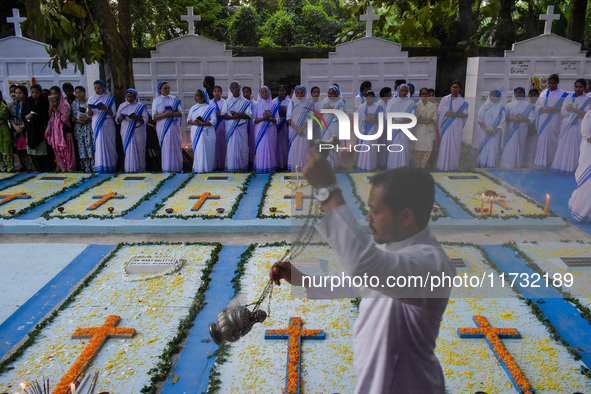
{"x":324,"y":193}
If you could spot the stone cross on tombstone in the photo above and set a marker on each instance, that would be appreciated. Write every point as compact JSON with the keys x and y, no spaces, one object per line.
{"x":369,"y":18}
{"x":549,"y":16}
{"x":191,"y":19}
{"x":16,"y":19}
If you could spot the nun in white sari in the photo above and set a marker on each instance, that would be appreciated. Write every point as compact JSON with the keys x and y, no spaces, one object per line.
{"x":401,"y":103}
{"x":520,"y":114}
{"x":573,"y":111}
{"x":333,"y":101}
{"x":368,"y":116}
{"x":101,"y":107}
{"x":580,"y":203}
{"x":133,"y":117}
{"x":202,"y":118}
{"x":297,"y":115}
{"x":491,"y":120}
{"x":167,"y":113}
{"x":236,"y":113}
{"x":266,"y":117}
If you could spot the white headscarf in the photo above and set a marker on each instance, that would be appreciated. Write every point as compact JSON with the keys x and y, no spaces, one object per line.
{"x":295,"y":100}
{"x":231,"y":99}
{"x":489,"y":110}
{"x":100,"y":81}
{"x":205,"y":95}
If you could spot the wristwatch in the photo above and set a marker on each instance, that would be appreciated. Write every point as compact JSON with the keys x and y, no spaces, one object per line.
{"x":323,"y":193}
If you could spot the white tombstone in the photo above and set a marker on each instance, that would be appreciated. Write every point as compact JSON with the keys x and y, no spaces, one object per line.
{"x":373,"y":59}
{"x":184,"y":61}
{"x":22,"y":59}
{"x":531,"y":59}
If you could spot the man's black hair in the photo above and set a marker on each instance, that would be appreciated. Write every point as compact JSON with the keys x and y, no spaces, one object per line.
{"x":534,"y":90}
{"x":364,"y":85}
{"x":582,"y":81}
{"x":408,"y":187}
{"x":208,"y":81}
{"x":399,"y":82}
{"x":554,"y":77}
{"x":385,"y":90}
{"x":456,"y":82}
{"x":67,"y":85}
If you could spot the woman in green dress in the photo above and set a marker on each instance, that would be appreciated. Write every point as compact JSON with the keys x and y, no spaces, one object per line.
{"x":6,"y":159}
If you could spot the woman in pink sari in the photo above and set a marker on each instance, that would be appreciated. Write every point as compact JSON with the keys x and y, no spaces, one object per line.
{"x":59,"y":132}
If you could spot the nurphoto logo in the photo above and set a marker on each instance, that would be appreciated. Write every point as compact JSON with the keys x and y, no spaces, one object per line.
{"x":396,"y":122}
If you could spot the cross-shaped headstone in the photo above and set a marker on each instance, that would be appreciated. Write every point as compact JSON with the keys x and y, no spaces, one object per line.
{"x":4,"y":198}
{"x":369,"y":18}
{"x":16,"y":19}
{"x":493,"y":338}
{"x":98,"y":336}
{"x":191,"y":19}
{"x":201,"y":200}
{"x":294,"y":334}
{"x":103,"y":198}
{"x":549,"y":16}
{"x":299,"y":197}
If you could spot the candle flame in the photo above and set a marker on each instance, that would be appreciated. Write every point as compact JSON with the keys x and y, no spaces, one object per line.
{"x":547,"y":196}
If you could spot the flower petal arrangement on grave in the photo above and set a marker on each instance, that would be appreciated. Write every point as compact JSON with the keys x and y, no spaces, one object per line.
{"x":533,"y":359}
{"x":285,"y":195}
{"x":476,"y":193}
{"x":567,"y":265}
{"x":7,"y":175}
{"x":361,"y":188}
{"x":113,"y":197}
{"x":35,"y":190}
{"x":205,"y":196}
{"x":255,"y":364}
{"x":140,"y":321}
{"x":469,"y":364}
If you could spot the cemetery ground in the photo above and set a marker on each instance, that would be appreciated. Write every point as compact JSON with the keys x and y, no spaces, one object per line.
{"x":40,"y":269}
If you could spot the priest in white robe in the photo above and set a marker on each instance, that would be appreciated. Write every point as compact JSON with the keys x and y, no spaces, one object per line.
{"x":396,"y":331}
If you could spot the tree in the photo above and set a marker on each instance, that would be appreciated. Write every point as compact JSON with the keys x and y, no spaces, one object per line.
{"x":68,"y":29}
{"x":117,"y":39}
{"x":155,"y":21}
{"x":300,"y":23}
{"x":315,"y":27}
{"x":243,"y":29}
{"x":576,"y":22}
{"x":279,"y":30}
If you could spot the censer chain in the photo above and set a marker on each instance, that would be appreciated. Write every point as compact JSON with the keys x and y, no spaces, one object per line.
{"x":304,"y":236}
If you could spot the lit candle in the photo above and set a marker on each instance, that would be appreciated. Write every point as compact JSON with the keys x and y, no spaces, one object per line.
{"x":23,"y":385}
{"x":547,"y":203}
{"x":492,"y":199}
{"x":482,"y":205}
{"x":72,"y":388}
{"x":297,"y":174}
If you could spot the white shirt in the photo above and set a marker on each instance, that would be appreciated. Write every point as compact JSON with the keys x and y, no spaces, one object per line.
{"x":396,"y":331}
